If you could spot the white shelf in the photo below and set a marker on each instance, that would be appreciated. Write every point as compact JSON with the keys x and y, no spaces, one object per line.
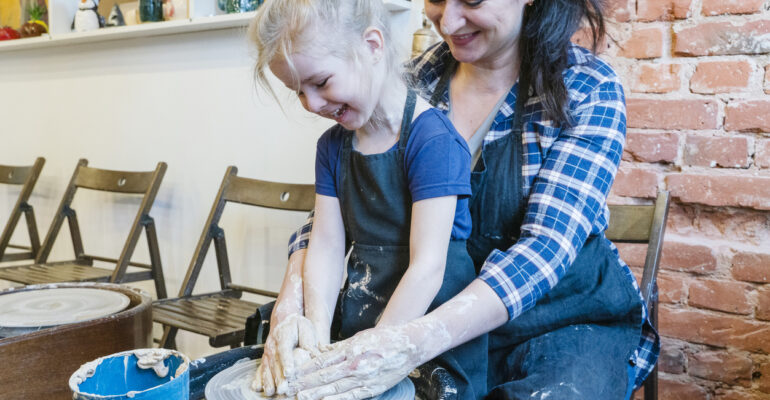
{"x":195,"y":24}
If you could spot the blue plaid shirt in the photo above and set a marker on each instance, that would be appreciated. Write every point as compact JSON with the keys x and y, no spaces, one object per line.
{"x":567,"y":176}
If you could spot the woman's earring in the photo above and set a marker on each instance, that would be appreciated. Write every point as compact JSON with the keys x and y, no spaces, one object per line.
{"x":530,"y":2}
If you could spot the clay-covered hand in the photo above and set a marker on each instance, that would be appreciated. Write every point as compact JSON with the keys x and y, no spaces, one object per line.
{"x":280,"y":357}
{"x":361,"y":367}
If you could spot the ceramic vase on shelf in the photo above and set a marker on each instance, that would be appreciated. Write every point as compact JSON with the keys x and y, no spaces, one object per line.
{"x":150,"y":10}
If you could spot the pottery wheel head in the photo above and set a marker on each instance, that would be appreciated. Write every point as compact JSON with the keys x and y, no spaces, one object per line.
{"x":58,"y":306}
{"x":234,"y":383}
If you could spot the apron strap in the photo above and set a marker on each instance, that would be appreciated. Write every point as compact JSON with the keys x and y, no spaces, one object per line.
{"x":406,"y":119}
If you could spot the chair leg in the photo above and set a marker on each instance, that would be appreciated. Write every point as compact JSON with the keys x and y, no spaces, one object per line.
{"x":168,"y":341}
{"x":651,"y":386}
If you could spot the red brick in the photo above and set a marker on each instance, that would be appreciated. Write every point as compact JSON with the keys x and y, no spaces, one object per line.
{"x":748,"y":116}
{"x":762,"y":155}
{"x":751,"y":267}
{"x":763,"y":304}
{"x":635,"y":182}
{"x":632,"y":254}
{"x":671,"y":288}
{"x":618,"y":10}
{"x":721,"y":77}
{"x":736,"y":395}
{"x":717,"y":7}
{"x":670,"y":389}
{"x":714,"y":330}
{"x":644,"y":43}
{"x":653,"y":147}
{"x":655,"y":78}
{"x":763,"y":379}
{"x":732,"y":297}
{"x":706,"y":151}
{"x":721,"y":190}
{"x":672,"y":359}
{"x":723,"y":38}
{"x":747,"y":226}
{"x":672,"y":114}
{"x":666,"y":10}
{"x":767,"y":79}
{"x":686,"y":257}
{"x":721,"y":366}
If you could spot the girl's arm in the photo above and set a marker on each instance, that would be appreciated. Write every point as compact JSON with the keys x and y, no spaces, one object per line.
{"x":324,"y":265}
{"x":431,"y":227}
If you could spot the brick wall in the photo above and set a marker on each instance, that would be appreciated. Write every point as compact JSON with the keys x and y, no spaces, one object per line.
{"x":697,"y":80}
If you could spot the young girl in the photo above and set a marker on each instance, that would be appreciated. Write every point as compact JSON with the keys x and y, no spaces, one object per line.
{"x":392,"y":180}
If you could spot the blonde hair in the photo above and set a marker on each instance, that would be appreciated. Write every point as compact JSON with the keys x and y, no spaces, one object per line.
{"x":284,"y":27}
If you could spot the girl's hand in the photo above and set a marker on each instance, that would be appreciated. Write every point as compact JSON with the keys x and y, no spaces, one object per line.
{"x":361,"y":367}
{"x":289,"y":344}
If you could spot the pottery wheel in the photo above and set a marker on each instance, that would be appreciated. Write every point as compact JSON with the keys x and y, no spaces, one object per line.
{"x":234,"y":383}
{"x":58,"y":306}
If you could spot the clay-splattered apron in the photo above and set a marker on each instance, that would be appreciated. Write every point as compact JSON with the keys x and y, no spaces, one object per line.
{"x":577,"y":341}
{"x":376,"y":209}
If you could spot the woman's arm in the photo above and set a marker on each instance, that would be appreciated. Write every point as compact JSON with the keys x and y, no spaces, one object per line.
{"x":431,"y":227}
{"x":324,"y":265}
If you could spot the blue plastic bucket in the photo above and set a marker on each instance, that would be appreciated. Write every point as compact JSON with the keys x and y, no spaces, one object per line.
{"x":144,"y":374}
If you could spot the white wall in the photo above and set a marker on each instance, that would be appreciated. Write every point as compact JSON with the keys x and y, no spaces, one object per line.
{"x":186,"y":99}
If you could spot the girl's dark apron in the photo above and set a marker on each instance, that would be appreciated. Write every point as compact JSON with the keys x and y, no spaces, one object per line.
{"x":376,"y":209}
{"x":577,"y":341}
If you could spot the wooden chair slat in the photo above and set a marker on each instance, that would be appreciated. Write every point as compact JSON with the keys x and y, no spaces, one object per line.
{"x":281,"y":196}
{"x":12,"y":175}
{"x":114,"y":181}
{"x":168,"y":317}
{"x":229,"y":304}
{"x":630,"y":223}
{"x":189,"y":310}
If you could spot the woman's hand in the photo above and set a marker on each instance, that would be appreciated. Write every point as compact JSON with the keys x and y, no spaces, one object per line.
{"x":289,"y":344}
{"x":365,"y":365}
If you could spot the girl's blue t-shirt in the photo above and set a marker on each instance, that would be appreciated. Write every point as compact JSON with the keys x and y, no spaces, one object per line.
{"x":436,"y":162}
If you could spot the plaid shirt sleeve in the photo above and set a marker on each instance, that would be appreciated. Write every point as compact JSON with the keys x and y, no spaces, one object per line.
{"x":567,"y":201}
{"x":301,"y":238}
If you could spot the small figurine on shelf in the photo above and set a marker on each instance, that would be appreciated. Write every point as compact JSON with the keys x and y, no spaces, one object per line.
{"x":174,"y":9}
{"x":116,"y":17}
{"x":35,"y":26}
{"x":150,"y":10}
{"x":87,"y":18}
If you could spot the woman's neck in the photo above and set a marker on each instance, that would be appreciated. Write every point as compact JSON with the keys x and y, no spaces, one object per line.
{"x":381,"y":132}
{"x":490,"y":76}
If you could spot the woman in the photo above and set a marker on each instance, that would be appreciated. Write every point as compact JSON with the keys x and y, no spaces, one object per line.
{"x":564,"y":314}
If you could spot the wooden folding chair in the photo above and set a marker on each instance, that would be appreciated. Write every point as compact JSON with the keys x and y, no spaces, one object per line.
{"x":27,"y":177}
{"x":81,"y":269}
{"x":222,"y":315}
{"x":644,"y":224}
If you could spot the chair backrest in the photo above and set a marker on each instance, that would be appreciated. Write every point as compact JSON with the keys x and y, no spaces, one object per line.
{"x":642,"y":224}
{"x":27,"y":177}
{"x":129,"y":182}
{"x":254,"y":192}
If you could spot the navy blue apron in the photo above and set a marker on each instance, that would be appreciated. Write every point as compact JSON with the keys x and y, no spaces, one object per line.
{"x":578,"y":339}
{"x":376,"y":209}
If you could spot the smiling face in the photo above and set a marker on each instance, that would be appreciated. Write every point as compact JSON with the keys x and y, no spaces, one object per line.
{"x":478,"y":31}
{"x":332,"y":87}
